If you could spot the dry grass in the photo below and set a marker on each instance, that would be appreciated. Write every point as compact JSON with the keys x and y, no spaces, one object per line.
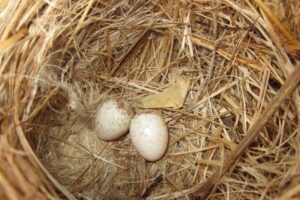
{"x":60,"y":59}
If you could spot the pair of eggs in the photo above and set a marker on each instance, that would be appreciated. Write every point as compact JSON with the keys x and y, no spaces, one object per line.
{"x":148,"y":131}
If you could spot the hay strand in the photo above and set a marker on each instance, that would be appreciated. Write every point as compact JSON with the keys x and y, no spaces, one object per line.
{"x":290,"y":84}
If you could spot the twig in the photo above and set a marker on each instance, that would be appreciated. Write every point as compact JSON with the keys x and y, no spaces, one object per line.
{"x":207,"y":187}
{"x":156,"y":181}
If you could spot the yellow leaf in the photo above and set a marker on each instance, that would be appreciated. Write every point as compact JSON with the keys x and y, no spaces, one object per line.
{"x":171,"y":97}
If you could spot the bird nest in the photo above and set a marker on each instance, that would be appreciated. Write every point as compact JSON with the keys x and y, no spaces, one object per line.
{"x":233,"y":133}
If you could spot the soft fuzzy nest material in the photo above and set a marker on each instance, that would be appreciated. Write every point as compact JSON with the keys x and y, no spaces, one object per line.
{"x":60,"y":59}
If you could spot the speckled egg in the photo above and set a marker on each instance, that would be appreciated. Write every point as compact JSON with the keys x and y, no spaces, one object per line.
{"x":149,"y":135}
{"x":112,"y":119}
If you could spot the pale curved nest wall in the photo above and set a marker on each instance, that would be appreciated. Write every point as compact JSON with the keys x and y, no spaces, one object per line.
{"x":60,"y":59}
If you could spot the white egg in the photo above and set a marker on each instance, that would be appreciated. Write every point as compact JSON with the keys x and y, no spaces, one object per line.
{"x":149,"y":135}
{"x":113,"y":119}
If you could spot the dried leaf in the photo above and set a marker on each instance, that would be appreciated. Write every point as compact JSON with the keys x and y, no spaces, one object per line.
{"x":171,"y":97}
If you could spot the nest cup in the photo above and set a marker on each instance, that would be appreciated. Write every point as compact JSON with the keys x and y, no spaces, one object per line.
{"x":61,"y":59}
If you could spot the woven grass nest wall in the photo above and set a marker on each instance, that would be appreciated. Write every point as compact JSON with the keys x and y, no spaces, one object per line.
{"x":59,"y":59}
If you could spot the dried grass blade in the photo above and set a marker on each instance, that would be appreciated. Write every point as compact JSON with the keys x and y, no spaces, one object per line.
{"x":206,"y":188}
{"x":10,"y":42}
{"x":227,"y":55}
